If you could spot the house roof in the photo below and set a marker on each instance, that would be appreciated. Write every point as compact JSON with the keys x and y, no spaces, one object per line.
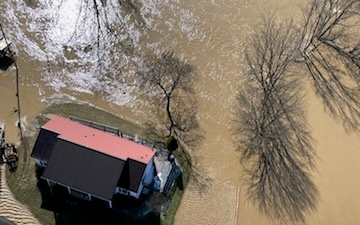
{"x":44,"y":145}
{"x":4,"y":221}
{"x":90,"y":160}
{"x":131,"y":175}
{"x":101,"y":141}
{"x":84,"y":169}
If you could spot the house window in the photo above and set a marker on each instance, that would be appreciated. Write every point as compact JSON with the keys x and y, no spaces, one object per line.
{"x":123,"y":191}
{"x":79,"y":194}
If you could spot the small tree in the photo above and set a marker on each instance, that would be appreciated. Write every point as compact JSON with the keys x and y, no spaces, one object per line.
{"x":172,"y":144}
{"x":169,"y":80}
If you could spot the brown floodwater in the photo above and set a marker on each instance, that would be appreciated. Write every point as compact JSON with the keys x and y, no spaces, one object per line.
{"x":211,"y":36}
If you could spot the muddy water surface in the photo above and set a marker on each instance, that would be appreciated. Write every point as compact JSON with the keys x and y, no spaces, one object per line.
{"x":210,"y":35}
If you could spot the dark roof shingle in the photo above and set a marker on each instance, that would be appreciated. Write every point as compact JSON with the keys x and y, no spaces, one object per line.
{"x":44,"y":145}
{"x":84,"y":169}
{"x":131,"y":175}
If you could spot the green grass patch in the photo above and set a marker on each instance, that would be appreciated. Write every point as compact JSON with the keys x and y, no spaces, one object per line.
{"x":25,"y":187}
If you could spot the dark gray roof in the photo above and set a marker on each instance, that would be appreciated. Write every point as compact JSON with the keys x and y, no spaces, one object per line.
{"x":44,"y":145}
{"x":4,"y":221}
{"x":84,"y":169}
{"x":131,"y":175}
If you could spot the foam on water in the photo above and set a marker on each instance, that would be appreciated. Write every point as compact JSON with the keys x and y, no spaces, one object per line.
{"x":48,"y":31}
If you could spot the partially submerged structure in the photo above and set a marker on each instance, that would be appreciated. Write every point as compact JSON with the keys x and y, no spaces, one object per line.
{"x":8,"y":152}
{"x":4,"y":47}
{"x":7,"y":55}
{"x":5,"y":50}
{"x":92,"y":164}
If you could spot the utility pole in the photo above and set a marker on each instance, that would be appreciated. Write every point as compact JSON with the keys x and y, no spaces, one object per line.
{"x":17,"y":83}
{"x":18,"y":100}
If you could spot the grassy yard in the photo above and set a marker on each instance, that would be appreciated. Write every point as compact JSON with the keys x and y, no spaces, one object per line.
{"x":26,"y":188}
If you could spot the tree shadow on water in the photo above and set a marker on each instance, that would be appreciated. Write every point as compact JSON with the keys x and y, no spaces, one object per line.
{"x":284,"y":198}
{"x":200,"y":179}
{"x":330,"y":48}
{"x":271,"y":130}
{"x":277,"y":156}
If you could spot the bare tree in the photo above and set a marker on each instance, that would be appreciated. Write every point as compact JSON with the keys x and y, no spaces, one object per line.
{"x":271,"y":131}
{"x":170,"y":80}
{"x":330,"y":48}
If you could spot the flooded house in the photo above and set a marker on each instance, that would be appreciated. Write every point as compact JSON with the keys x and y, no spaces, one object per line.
{"x":93,"y":164}
{"x":8,"y":152}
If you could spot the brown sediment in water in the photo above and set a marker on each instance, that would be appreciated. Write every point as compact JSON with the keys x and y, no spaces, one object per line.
{"x":218,"y":61}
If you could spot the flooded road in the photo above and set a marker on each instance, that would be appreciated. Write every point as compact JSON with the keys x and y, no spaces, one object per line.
{"x":58,"y":54}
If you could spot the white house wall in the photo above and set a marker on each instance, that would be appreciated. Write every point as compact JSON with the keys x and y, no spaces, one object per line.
{"x":124,"y":191}
{"x":147,"y":179}
{"x":141,"y":187}
{"x":40,"y":163}
{"x":149,"y":173}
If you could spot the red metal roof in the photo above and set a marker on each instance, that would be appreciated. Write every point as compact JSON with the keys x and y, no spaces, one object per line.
{"x":99,"y":140}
